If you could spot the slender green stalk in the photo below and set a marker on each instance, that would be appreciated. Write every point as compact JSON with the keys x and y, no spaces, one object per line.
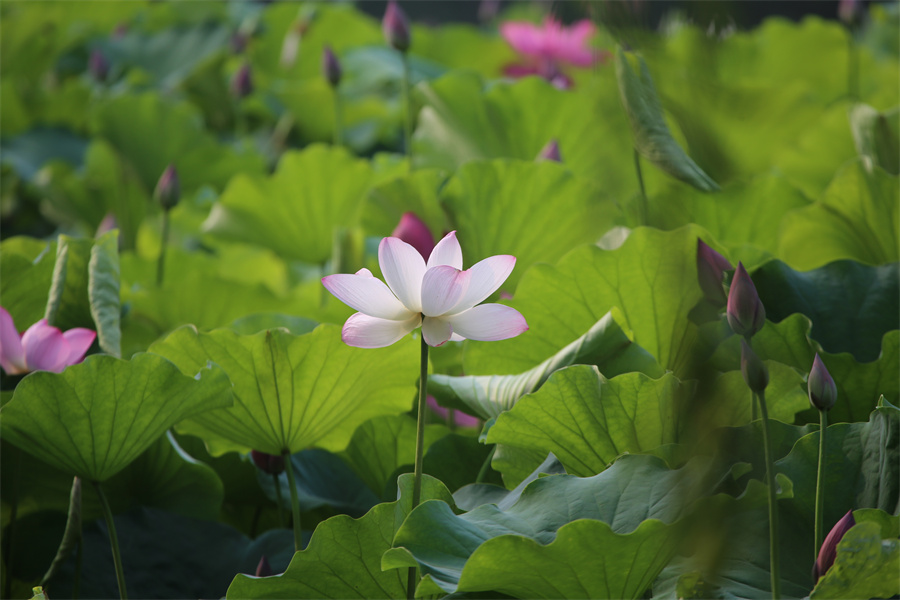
{"x":11,"y":528}
{"x":407,"y":102}
{"x":420,"y":455}
{"x":773,"y":507}
{"x":164,"y":242}
{"x":338,"y":120}
{"x":79,"y":555}
{"x":277,"y":481}
{"x":820,"y":476}
{"x":295,"y":502}
{"x":645,"y":208}
{"x":113,"y":541}
{"x":482,"y":472}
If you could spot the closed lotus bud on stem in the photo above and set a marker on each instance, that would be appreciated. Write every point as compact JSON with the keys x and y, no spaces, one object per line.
{"x":98,"y":66}
{"x":273,"y":464}
{"x":395,"y":27}
{"x":849,"y":11}
{"x":828,"y":551}
{"x":822,"y":390}
{"x":415,"y":232}
{"x":331,"y":67}
{"x":242,"y":82}
{"x":711,"y":267}
{"x":264,"y":569}
{"x":550,"y":152}
{"x":168,"y":188}
{"x":753,"y":369}
{"x":746,"y":313}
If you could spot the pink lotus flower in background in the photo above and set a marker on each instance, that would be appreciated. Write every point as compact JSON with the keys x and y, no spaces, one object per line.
{"x":42,"y":347}
{"x":547,"y":48}
{"x":460,"y":418}
{"x":438,"y":295}
{"x":413,"y":230}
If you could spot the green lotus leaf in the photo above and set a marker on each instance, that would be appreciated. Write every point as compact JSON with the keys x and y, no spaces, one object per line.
{"x":866,"y":566}
{"x":95,"y":418}
{"x":27,"y":265}
{"x":293,"y":392}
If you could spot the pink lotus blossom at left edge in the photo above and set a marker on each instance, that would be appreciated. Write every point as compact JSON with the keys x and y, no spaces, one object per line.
{"x":42,"y":347}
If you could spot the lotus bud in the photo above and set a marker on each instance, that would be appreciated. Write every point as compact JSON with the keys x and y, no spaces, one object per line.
{"x":746,"y":313}
{"x":98,"y":66}
{"x":415,"y":232}
{"x":711,"y":267}
{"x":550,"y":152}
{"x":273,"y":464}
{"x":264,"y":569}
{"x":331,"y":67}
{"x":822,"y":390}
{"x":395,"y":27}
{"x":753,"y":369}
{"x":849,"y":11}
{"x":168,"y":189}
{"x":242,"y":82}
{"x":488,"y":10}
{"x":828,"y":551}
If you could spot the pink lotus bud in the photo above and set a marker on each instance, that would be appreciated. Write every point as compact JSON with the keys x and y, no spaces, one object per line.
{"x":488,"y":10}
{"x":98,"y":66}
{"x":331,"y":67}
{"x":753,"y":369}
{"x":395,"y":27}
{"x":550,"y":152}
{"x":242,"y":82}
{"x":822,"y":390}
{"x":711,"y":267}
{"x":746,"y":313}
{"x":273,"y":464}
{"x":168,"y":188}
{"x":849,"y":11}
{"x":828,"y":551}
{"x":415,"y":232}
{"x":264,"y":569}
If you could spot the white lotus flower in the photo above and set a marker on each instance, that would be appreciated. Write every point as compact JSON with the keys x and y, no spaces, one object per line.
{"x":438,"y":295}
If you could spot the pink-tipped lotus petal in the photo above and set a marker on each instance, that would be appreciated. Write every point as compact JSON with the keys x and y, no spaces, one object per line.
{"x":80,"y":340}
{"x":442,"y":289}
{"x":487,"y":276}
{"x":460,"y":418}
{"x":45,"y":348}
{"x":525,"y":38}
{"x":366,"y":294}
{"x":415,"y":232}
{"x":447,"y":252}
{"x":457,"y":338}
{"x":363,"y":331}
{"x":489,"y":322}
{"x":403,"y":268}
{"x":12,"y":355}
{"x":436,"y":331}
{"x":571,"y":45}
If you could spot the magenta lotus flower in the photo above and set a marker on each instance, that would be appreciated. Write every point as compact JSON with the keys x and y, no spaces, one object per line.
{"x":438,"y":295}
{"x":42,"y":347}
{"x":548,"y":48}
{"x":711,"y":267}
{"x":822,"y":389}
{"x":395,"y":26}
{"x":828,"y":551}
{"x":460,"y":418}
{"x":413,"y":230}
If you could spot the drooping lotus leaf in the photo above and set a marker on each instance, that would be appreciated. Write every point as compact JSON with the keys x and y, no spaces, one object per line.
{"x":866,"y":566}
{"x":295,"y":211}
{"x":293,"y":392}
{"x":95,"y":418}
{"x":343,"y":557}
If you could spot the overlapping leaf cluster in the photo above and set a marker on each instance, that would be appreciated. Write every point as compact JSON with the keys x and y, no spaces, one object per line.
{"x":617,"y":459}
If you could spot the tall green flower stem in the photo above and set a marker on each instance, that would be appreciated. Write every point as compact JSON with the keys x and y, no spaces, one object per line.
{"x":407,"y":107}
{"x":295,"y":501}
{"x":277,"y":481}
{"x":820,"y":475}
{"x":164,"y":242}
{"x":113,"y":541}
{"x":420,"y":454}
{"x":773,"y":507}
{"x":645,"y":208}
{"x":338,"y":120}
{"x":11,"y":528}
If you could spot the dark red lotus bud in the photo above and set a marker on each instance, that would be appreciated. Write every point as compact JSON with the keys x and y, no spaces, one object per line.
{"x":550,"y":152}
{"x":746,"y":313}
{"x":331,"y":67}
{"x":395,"y":27}
{"x":98,"y":66}
{"x":828,"y":551}
{"x":415,"y":232}
{"x":263,"y":569}
{"x":242,"y":82}
{"x":822,"y":390}
{"x":273,"y":464}
{"x":753,"y":369}
{"x":168,"y":188}
{"x":711,"y":267}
